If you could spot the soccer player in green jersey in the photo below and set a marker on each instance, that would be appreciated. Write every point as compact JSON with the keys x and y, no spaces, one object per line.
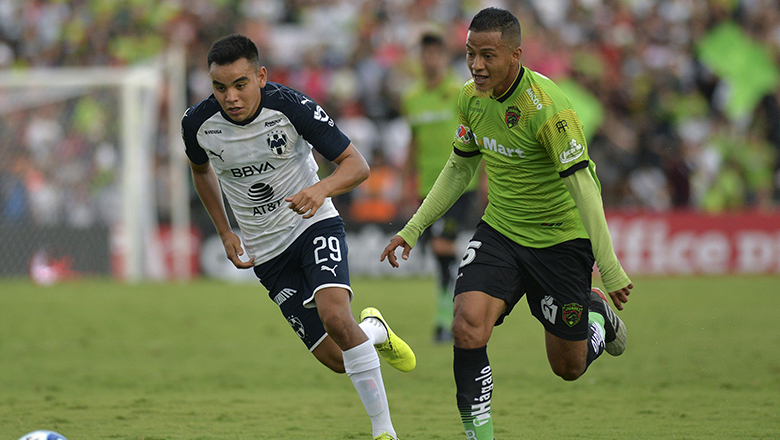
{"x":430,"y":108}
{"x":542,"y":230}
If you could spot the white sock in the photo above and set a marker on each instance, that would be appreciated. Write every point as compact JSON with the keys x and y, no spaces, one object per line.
{"x":362,"y":365}
{"x":375,"y":330}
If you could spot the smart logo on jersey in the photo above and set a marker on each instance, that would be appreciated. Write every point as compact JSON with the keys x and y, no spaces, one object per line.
{"x":571,"y":313}
{"x":464,"y":134}
{"x":512,"y":116}
{"x":277,"y":142}
{"x":574,"y":152}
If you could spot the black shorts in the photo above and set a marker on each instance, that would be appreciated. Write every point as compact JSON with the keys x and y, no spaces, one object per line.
{"x":556,"y":280}
{"x":462,"y":215}
{"x":315,"y":260}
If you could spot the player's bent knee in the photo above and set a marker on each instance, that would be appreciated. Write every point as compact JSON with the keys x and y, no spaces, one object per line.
{"x":569,"y":372}
{"x":329,"y":354}
{"x":568,"y":368}
{"x":466,"y":334}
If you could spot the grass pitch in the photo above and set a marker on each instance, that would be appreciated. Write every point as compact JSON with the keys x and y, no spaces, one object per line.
{"x":206,"y":360}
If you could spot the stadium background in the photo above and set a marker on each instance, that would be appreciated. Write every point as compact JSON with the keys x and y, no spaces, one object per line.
{"x":680,"y":100}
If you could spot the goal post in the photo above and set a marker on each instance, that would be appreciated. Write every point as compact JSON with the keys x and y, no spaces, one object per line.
{"x":129,"y":102}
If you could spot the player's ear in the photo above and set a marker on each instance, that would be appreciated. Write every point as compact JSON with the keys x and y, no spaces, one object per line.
{"x":517,"y":54}
{"x":262,"y":76}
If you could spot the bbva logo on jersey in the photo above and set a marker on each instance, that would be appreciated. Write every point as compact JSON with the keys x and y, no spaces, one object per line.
{"x":278,"y":143}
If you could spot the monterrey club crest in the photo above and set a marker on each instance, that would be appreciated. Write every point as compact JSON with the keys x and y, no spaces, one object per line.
{"x":572,"y":314}
{"x":512,"y":116}
{"x":297,"y":325}
{"x":277,"y":142}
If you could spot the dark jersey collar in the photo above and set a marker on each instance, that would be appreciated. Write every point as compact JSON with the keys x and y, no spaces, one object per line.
{"x":511,"y":90}
{"x":249,"y":119}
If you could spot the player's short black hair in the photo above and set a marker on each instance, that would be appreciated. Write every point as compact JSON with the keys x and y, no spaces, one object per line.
{"x":431,"y":39}
{"x":495,"y":19}
{"x":232,"y":48}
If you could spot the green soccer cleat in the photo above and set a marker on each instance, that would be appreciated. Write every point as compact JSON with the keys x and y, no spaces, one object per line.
{"x":395,"y":351}
{"x":385,"y":436}
{"x":615,"y":329}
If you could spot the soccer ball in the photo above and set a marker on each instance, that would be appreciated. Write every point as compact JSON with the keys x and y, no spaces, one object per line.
{"x":43,"y":435}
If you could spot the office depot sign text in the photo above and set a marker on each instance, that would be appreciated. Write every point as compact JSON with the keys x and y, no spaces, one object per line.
{"x":694,"y":243}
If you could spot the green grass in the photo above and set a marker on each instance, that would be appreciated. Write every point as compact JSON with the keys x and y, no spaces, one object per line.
{"x":207,"y":360}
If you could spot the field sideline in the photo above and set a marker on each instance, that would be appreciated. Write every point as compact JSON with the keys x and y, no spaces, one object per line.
{"x":98,"y":360}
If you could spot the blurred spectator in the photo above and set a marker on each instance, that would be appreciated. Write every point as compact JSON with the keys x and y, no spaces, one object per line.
{"x":376,"y":199}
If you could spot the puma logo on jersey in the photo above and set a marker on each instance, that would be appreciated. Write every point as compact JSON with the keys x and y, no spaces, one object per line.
{"x":215,"y":154}
{"x":333,"y":271}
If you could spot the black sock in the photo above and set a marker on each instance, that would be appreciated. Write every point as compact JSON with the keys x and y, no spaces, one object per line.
{"x":474,"y":383}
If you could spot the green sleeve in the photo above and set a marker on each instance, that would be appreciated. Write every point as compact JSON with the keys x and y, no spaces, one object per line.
{"x":585,"y":192}
{"x":449,"y":186}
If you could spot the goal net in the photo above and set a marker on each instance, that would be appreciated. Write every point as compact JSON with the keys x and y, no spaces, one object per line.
{"x":85,"y":154}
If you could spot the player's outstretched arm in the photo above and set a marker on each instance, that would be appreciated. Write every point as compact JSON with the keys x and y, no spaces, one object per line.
{"x":389,"y":251}
{"x":351,"y":171}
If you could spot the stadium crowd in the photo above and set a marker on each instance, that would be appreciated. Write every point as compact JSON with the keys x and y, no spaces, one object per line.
{"x":665,"y":131}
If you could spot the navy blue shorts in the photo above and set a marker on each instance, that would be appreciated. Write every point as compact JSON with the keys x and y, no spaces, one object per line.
{"x":315,"y":260}
{"x":555,"y":280}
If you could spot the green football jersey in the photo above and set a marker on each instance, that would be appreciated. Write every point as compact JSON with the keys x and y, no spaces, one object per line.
{"x":431,"y":114}
{"x":529,"y":138}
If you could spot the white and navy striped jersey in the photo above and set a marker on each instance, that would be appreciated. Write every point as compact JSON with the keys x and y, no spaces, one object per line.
{"x":263,"y":160}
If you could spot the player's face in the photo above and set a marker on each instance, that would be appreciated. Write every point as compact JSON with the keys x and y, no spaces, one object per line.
{"x":237,"y":87}
{"x":492,"y":61}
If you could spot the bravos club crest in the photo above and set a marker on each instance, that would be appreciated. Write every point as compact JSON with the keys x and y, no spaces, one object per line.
{"x":512,"y":116}
{"x":572,"y":314}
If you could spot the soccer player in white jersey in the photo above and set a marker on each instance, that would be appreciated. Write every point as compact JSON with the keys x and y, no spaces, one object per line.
{"x":252,"y":140}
